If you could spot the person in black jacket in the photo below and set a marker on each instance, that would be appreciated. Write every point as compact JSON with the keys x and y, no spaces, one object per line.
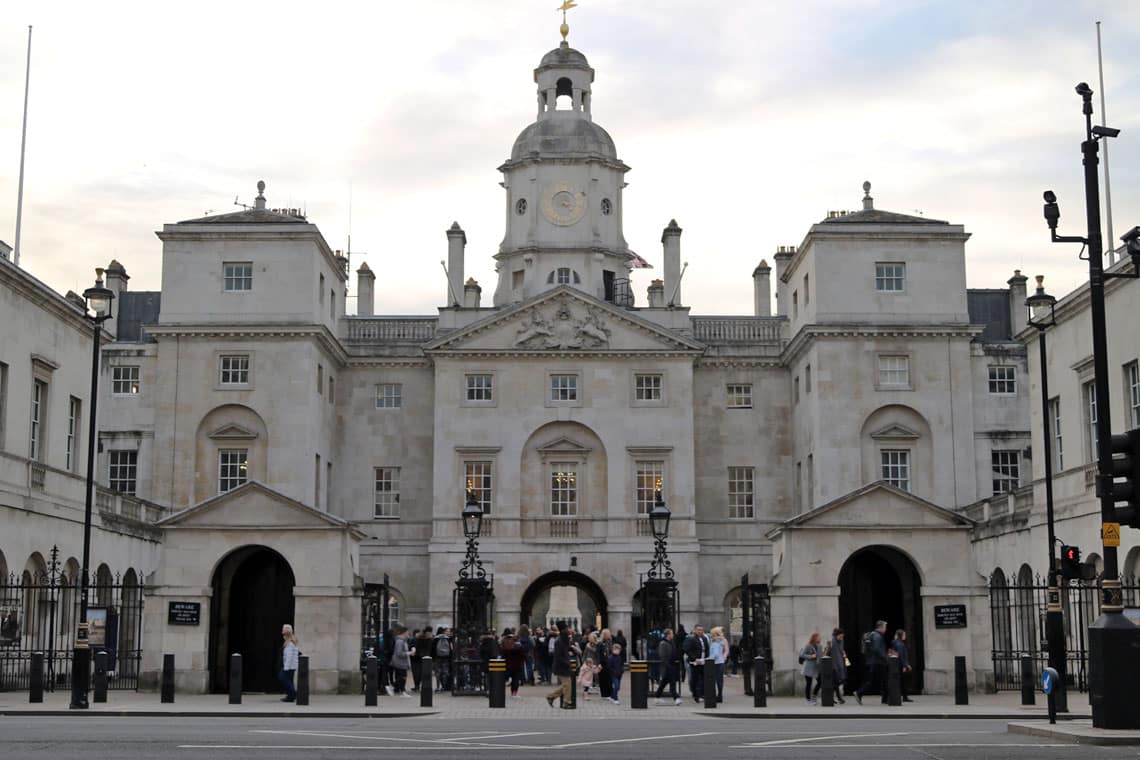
{"x":670,"y":656}
{"x":875,"y":659}
{"x":696,"y":648}
{"x":898,"y":646}
{"x":561,"y":668}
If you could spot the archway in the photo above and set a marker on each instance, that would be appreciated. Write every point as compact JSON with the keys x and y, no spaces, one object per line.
{"x":881,"y":583}
{"x":563,"y":596}
{"x":252,"y":599}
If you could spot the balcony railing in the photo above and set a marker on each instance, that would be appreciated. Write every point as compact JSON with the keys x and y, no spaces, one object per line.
{"x":390,"y":330}
{"x":738,"y":329}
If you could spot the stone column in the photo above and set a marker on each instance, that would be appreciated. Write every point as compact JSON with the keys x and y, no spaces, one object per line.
{"x":456,"y":243}
{"x":365,"y":291}
{"x":762,"y":290}
{"x":671,"y":243}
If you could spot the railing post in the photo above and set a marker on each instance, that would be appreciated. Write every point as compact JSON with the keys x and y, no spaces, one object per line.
{"x":303,"y":679}
{"x":426,"y":681}
{"x":1028,"y":687}
{"x":100,"y":690}
{"x":235,"y":679}
{"x":961,"y":691}
{"x":36,"y":678}
{"x":371,"y":672}
{"x":759,"y":682}
{"x":167,"y":679}
{"x":639,"y":684}
{"x":826,"y":681}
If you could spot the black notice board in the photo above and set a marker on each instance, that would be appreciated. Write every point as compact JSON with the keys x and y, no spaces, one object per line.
{"x":950,"y":616}
{"x":184,"y":613}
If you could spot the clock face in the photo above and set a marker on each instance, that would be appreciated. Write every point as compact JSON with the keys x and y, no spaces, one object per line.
{"x":563,"y":203}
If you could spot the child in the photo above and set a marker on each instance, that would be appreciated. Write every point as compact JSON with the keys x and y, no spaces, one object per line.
{"x":615,"y":664}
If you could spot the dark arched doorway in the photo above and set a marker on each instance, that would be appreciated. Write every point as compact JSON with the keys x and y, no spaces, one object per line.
{"x":881,"y":583}
{"x":252,"y":599}
{"x":558,"y":596}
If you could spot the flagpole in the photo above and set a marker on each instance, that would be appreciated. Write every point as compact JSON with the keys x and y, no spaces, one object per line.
{"x":1104,"y":146}
{"x":23,"y":146}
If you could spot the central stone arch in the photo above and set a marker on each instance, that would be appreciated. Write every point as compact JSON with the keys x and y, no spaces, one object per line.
{"x":534,"y":608}
{"x":575,"y":453}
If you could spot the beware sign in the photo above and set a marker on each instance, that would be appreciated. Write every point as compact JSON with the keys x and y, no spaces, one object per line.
{"x":1110,"y":534}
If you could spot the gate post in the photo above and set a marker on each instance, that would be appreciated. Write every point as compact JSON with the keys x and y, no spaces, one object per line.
{"x":759,"y":682}
{"x":167,"y":679}
{"x":961,"y":692}
{"x":426,"y":681}
{"x":1028,"y":687}
{"x":826,"y":681}
{"x":303,"y":679}
{"x":894,"y":682}
{"x":639,"y":684}
{"x":36,"y":678}
{"x":100,"y":691}
{"x":235,"y":679}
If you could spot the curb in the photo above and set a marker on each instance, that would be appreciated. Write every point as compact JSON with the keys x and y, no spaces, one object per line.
{"x":1077,"y":734}
{"x":199,"y":714}
{"x":879,"y":716}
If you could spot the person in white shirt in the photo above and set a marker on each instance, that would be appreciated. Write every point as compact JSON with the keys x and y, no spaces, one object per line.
{"x":289,"y":653}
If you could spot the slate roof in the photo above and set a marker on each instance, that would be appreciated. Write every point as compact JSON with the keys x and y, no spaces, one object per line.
{"x":990,"y":307}
{"x":564,"y":137}
{"x":247,"y":216}
{"x":564,"y":55}
{"x":135,"y":309}
{"x":877,"y":216}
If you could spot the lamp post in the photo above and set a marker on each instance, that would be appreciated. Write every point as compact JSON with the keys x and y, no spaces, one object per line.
{"x":1042,"y":315}
{"x":472,"y":603}
{"x":659,"y":590}
{"x":98,"y":311}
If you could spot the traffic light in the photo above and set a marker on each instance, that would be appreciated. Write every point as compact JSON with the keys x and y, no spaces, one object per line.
{"x":1126,"y":477}
{"x":1070,"y":562}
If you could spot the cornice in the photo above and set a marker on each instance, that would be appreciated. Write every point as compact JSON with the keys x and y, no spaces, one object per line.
{"x":808,"y":333}
{"x":256,"y":332}
{"x":389,"y":361}
{"x":519,"y":353}
{"x":308,"y":231}
{"x":511,"y":164}
{"x":732,"y":362}
{"x":43,"y":296}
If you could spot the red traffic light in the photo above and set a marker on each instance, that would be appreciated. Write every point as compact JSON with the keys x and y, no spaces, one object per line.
{"x":1072,"y":553}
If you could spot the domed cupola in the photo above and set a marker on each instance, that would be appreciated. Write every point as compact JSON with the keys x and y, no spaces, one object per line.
{"x":563,"y":71}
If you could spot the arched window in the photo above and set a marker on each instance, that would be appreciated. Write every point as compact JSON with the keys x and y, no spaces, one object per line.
{"x":564,"y":95}
{"x":563,"y":276}
{"x":1027,"y":611}
{"x":1002,"y":628}
{"x":129,"y":625}
{"x":102,"y":586}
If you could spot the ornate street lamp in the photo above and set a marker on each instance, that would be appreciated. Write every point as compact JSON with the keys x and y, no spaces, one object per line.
{"x":659,"y":589}
{"x":99,"y":300}
{"x":472,"y":606}
{"x":659,"y":525}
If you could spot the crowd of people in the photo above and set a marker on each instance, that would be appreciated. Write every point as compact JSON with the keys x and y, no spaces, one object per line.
{"x":876,"y":652}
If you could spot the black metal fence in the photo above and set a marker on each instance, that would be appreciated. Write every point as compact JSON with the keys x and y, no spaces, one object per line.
{"x":1017,"y":617}
{"x":40,"y":613}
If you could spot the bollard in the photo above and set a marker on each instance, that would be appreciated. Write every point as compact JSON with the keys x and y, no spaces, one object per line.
{"x":1028,"y":687}
{"x":371,"y":674}
{"x":826,"y":681}
{"x":638,"y":684}
{"x":759,"y":682}
{"x":235,"y":679}
{"x":426,"y":680}
{"x":573,"y":685}
{"x":167,"y":679}
{"x":100,"y":690}
{"x":894,"y":682}
{"x":36,"y":678}
{"x":497,"y":682}
{"x":746,"y":672}
{"x":303,"y":679}
{"x":708,"y":675}
{"x":961,"y":692}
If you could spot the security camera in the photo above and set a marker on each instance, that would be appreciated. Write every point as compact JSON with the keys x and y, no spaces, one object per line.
{"x":1106,"y":132}
{"x":1132,"y":240}
{"x":1050,"y":196}
{"x":1084,"y":89}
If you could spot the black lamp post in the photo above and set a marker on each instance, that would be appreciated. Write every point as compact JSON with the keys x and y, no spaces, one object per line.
{"x":659,"y":589}
{"x":472,"y":525}
{"x":1042,"y":315}
{"x":659,"y":525}
{"x":98,"y":311}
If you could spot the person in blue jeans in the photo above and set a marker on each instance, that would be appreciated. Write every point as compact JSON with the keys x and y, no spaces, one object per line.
{"x":615,"y":664}
{"x":289,"y":653}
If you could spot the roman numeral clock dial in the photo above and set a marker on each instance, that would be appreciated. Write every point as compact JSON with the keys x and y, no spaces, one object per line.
{"x":563,"y":203}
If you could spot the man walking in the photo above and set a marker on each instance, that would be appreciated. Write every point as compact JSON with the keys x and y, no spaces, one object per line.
{"x":561,"y":667}
{"x":669,"y":656}
{"x":875,"y":660}
{"x":696,"y":648}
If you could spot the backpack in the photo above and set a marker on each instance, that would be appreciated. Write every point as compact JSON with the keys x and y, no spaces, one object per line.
{"x":442,"y":647}
{"x":868,"y":643}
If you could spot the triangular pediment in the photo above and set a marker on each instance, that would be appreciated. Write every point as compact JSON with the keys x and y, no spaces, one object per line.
{"x":564,"y":320}
{"x":253,"y":505}
{"x":563,"y":445}
{"x":233,"y":432}
{"x":895,"y":432}
{"x":880,"y":506}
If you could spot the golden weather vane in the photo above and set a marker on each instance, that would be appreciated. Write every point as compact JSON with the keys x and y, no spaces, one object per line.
{"x":566,"y":5}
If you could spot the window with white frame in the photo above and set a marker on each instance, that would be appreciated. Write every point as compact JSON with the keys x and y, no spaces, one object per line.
{"x":1005,"y":470}
{"x":1132,"y":384}
{"x":233,"y":468}
{"x":894,"y":371}
{"x":1058,"y":442}
{"x":647,"y":387}
{"x":237,"y":275}
{"x":563,"y":276}
{"x":233,"y":369}
{"x":479,"y":387}
{"x":124,"y":381}
{"x":389,"y":395}
{"x":648,"y":480}
{"x":1090,"y":418}
{"x":895,"y":467}
{"x":741,"y":493}
{"x":122,"y":471}
{"x":73,"y":421}
{"x":1003,"y":380}
{"x":563,"y":489}
{"x":387,"y":492}
{"x":563,"y":388}
{"x":477,"y":481}
{"x":739,"y":395}
{"x":890,"y":277}
{"x":39,"y":412}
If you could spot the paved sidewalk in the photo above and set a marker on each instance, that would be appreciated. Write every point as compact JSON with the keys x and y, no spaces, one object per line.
{"x":1077,"y":732}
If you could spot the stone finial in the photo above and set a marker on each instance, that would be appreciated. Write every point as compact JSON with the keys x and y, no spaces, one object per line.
{"x":868,"y":201}
{"x":472,"y":281}
{"x":259,"y":201}
{"x":673,"y":229}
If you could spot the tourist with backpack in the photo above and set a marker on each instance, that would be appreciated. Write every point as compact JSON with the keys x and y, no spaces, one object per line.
{"x":441,"y":658}
{"x":875,"y":662}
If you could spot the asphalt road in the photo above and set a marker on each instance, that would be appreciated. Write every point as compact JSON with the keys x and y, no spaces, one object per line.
{"x":90,"y":736}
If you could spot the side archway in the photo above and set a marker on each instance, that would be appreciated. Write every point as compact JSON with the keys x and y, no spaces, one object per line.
{"x":564,"y":595}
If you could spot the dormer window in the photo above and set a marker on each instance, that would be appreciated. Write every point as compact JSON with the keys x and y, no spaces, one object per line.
{"x":563,"y":276}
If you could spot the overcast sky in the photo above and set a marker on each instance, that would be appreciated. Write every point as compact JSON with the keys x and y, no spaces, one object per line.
{"x":745,"y":121}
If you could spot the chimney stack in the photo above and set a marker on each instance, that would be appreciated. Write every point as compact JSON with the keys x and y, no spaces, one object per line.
{"x":471,"y":294}
{"x":365,"y":291}
{"x":784,"y":255}
{"x":116,"y":277}
{"x":656,"y":294}
{"x":671,"y":242}
{"x":456,"y":243}
{"x":1017,"y":293}
{"x":762,"y":289}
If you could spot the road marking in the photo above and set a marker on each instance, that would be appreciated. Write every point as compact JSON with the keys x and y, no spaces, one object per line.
{"x":631,"y":740}
{"x":306,"y":747}
{"x":830,"y":737}
{"x":909,"y":746}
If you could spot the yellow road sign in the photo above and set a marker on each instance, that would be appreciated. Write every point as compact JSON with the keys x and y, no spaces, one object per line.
{"x":1110,"y":534}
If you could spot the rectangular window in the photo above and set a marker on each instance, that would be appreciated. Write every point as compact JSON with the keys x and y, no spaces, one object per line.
{"x":563,"y":387}
{"x":233,"y":468}
{"x":1058,"y":447}
{"x":807,"y":293}
{"x":1132,"y":386}
{"x":233,"y":369}
{"x":562,"y":276}
{"x":740,"y":493}
{"x":387,"y":492}
{"x":807,"y":379}
{"x":896,"y":468}
{"x":563,"y":489}
{"x":1006,"y":471}
{"x":320,"y":379}
{"x":795,"y":304}
{"x":647,"y":387}
{"x":477,"y":481}
{"x":796,"y":390}
{"x":73,"y":422}
{"x":389,"y":395}
{"x":332,"y":304}
{"x":39,"y":412}
{"x":317,"y":483}
{"x":479,"y":388}
{"x":3,"y":402}
{"x":237,"y":275}
{"x":739,"y":395}
{"x":1090,"y":418}
{"x":517,"y":279}
{"x":809,"y":490}
{"x":321,"y":289}
{"x":124,"y":381}
{"x":649,"y":480}
{"x":799,"y":487}
{"x":890,"y":277}
{"x":1003,"y":380}
{"x":122,"y":471}
{"x":894,"y":371}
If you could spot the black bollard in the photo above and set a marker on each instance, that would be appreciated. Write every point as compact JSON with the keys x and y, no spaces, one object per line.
{"x":167,"y":679}
{"x":708,"y":674}
{"x":497,"y":682}
{"x":573,"y":685}
{"x":826,"y":681}
{"x":100,"y":690}
{"x":36,"y":678}
{"x":759,"y":682}
{"x":303,"y":679}
{"x":426,"y":680}
{"x":894,"y":682}
{"x":371,"y":674}
{"x":961,"y":690}
{"x":1028,"y":682}
{"x":639,"y":684}
{"x":235,"y":679}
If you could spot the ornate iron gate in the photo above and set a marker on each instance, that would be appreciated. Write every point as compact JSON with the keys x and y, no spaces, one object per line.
{"x":473,"y":610}
{"x":756,"y":631}
{"x":375,"y":622}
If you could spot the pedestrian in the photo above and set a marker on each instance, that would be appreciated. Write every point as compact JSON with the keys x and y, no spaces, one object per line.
{"x":734,"y":658}
{"x":400,"y":662}
{"x":289,"y":654}
{"x":441,"y":658}
{"x":899,"y":648}
{"x":515,"y":657}
{"x":809,"y":665}
{"x":602,"y":676}
{"x":669,"y":656}
{"x":839,"y":663}
{"x":524,"y":637}
{"x":651,"y":643}
{"x":620,"y":640}
{"x":875,"y":661}
{"x":386,"y":673}
{"x":615,"y":666}
{"x":718,"y":655}
{"x":415,"y":656}
{"x":696,"y":649}
{"x":560,"y":664}
{"x":589,"y":667}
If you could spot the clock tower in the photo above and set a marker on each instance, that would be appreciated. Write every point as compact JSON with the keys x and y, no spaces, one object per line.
{"x":563,"y":186}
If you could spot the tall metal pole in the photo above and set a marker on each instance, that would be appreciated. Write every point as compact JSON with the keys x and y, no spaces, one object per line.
{"x":1107,"y":178}
{"x":23,"y":145}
